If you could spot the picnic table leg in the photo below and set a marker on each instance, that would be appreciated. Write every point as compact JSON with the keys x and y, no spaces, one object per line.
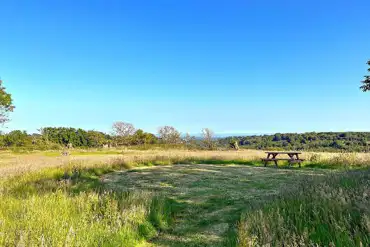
{"x":291,"y":156}
{"x":265,"y":162}
{"x":275,"y":161}
{"x":299,"y":160}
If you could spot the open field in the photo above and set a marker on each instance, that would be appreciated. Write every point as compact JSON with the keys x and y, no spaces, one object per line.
{"x":181,"y":198}
{"x":14,"y":164}
{"x":210,"y":197}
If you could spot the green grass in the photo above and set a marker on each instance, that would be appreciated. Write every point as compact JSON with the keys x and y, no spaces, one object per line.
{"x":334,"y":211}
{"x":151,"y":202}
{"x":208,"y":199}
{"x":69,"y":207}
{"x":86,"y":219}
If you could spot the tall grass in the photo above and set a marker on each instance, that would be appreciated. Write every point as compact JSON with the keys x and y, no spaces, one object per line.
{"x":67,"y":206}
{"x":333,"y":211}
{"x":86,"y":219}
{"x":13,"y":165}
{"x":61,"y":202}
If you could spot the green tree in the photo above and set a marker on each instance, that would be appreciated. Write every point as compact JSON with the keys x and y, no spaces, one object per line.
{"x":234,"y":143}
{"x":366,"y":82}
{"x":96,"y":138}
{"x":6,"y":104}
{"x":17,"y":138}
{"x":140,"y":137}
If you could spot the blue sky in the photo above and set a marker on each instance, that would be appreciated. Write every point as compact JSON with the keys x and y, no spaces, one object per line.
{"x":234,"y":66}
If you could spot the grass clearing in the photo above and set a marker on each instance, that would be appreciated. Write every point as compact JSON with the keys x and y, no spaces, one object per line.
{"x":209,"y":198}
{"x":158,"y":198}
{"x":12,"y":164}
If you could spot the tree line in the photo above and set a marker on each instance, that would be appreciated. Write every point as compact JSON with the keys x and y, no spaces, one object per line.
{"x":122,"y":134}
{"x":321,"y":141}
{"x":125,"y":135}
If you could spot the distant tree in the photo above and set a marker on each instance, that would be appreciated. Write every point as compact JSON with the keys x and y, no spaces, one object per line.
{"x":96,"y":138}
{"x":17,"y":138}
{"x":277,"y":137}
{"x":169,"y":135}
{"x":141,"y":137}
{"x":366,"y":82}
{"x":6,"y":104}
{"x":208,"y":138}
{"x":65,"y":136}
{"x":190,"y":141}
{"x":123,"y":129}
{"x":234,"y":143}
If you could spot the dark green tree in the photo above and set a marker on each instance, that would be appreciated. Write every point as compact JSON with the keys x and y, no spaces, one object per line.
{"x":142,"y":138}
{"x":366,"y":82}
{"x":17,"y":138}
{"x":96,"y":138}
{"x":6,"y":104}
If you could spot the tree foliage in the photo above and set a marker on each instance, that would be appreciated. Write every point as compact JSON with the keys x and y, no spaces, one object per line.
{"x":75,"y":137}
{"x":190,"y":141}
{"x":6,"y":104}
{"x":141,"y":137}
{"x":208,"y":138}
{"x":312,"y":141}
{"x":233,"y":144}
{"x":123,"y":129}
{"x":169,"y":135}
{"x":56,"y":137}
{"x":366,"y":82}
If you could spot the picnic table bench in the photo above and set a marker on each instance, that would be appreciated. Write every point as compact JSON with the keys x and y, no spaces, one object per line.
{"x":293,"y":157}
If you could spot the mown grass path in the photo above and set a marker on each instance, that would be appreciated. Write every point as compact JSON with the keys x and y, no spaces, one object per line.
{"x":209,"y":198}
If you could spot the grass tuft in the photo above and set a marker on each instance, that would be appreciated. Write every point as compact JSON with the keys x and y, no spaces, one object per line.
{"x":330,"y":212}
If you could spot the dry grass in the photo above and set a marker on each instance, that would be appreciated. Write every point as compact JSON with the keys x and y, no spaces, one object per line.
{"x":16,"y":164}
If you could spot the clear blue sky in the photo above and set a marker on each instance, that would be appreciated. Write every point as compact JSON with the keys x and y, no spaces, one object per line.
{"x":253,"y":66}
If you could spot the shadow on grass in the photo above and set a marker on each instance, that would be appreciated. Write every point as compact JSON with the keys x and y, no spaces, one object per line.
{"x":326,"y":166}
{"x":76,"y":180}
{"x":225,"y":162}
{"x":73,"y":182}
{"x":281,"y":165}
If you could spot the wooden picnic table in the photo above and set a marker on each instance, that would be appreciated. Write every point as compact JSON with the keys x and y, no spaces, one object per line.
{"x":293,"y":157}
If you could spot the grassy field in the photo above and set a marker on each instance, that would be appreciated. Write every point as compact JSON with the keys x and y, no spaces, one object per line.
{"x":182,"y":198}
{"x":12,"y":164}
{"x":209,"y":198}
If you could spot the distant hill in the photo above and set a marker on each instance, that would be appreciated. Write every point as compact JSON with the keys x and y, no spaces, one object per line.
{"x":315,"y":141}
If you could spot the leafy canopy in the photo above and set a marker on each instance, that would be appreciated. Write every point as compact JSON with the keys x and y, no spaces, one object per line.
{"x":6,"y":104}
{"x":366,"y":82}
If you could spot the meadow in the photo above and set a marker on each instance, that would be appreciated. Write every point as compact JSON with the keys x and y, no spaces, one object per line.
{"x":131,"y":197}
